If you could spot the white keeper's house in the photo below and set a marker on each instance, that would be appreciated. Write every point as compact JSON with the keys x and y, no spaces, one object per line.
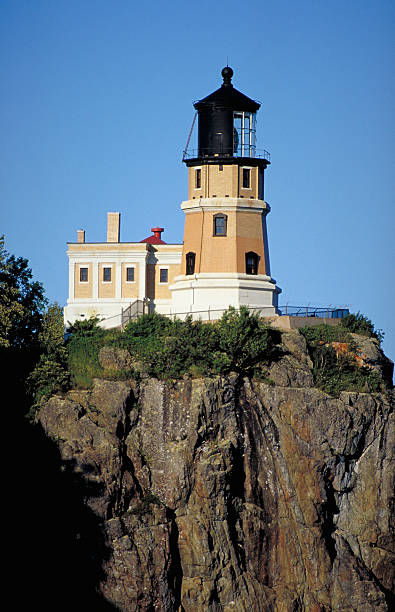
{"x":224,"y":258}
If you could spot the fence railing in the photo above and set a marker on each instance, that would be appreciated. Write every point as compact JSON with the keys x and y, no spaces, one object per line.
{"x":312,"y":311}
{"x":139,"y":307}
{"x":248,"y":151}
{"x":132,"y":312}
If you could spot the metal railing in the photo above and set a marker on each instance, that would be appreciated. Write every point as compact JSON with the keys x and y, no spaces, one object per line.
{"x":140,"y":307}
{"x":132,"y":312}
{"x":312,"y":311}
{"x":212,"y":314}
{"x":227,"y":152}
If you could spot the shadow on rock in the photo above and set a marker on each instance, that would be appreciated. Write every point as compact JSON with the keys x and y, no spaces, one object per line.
{"x":61,"y":545}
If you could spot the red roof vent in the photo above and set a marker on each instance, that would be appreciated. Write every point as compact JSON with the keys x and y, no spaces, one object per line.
{"x":156,"y":237}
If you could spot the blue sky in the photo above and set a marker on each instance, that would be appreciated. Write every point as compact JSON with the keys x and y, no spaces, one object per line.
{"x":96,"y":106}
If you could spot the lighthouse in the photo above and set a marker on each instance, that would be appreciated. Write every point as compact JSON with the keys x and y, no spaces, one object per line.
{"x":225,"y":256}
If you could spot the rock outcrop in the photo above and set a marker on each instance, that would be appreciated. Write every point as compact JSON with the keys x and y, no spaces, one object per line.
{"x":230,"y":494}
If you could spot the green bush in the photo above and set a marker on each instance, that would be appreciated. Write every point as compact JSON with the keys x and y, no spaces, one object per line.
{"x":324,"y":333}
{"x":168,"y":349}
{"x":243,"y":339}
{"x":359,"y":324}
{"x":49,"y":375}
{"x":334,"y":373}
{"x":83,"y":349}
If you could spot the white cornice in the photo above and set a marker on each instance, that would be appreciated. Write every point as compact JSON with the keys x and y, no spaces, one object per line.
{"x":225,"y":204}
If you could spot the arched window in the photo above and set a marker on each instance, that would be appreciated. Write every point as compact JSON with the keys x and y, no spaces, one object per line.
{"x":252,"y":261}
{"x":220,"y":222}
{"x":190,"y":264}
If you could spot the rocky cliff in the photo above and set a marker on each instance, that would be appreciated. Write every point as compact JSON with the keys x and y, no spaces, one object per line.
{"x":229,"y":494}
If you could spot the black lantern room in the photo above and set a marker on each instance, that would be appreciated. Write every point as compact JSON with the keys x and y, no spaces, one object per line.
{"x":226,"y":128}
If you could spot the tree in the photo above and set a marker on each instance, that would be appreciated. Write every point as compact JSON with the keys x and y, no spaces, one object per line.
{"x":22,"y":302}
{"x":51,"y":372}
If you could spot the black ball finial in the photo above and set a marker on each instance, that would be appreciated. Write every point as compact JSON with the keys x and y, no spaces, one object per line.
{"x":227,"y":74}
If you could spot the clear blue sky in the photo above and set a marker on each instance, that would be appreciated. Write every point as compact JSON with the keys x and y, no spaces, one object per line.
{"x":96,"y":106}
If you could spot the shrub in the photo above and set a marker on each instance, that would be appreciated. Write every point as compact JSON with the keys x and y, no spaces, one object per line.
{"x":359,"y":324}
{"x":334,"y":372}
{"x":83,"y":352}
{"x":86,"y":327}
{"x":324,"y":334}
{"x":50,"y":375}
{"x":243,"y":339}
{"x":168,"y":349}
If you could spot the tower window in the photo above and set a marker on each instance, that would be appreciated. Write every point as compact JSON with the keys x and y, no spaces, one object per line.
{"x":246,"y":178}
{"x":190,"y":263}
{"x":163,"y":275}
{"x":106,"y":275}
{"x":198,"y":178}
{"x":261,"y":191}
{"x":220,"y":225}
{"x":83,"y":275}
{"x":130,"y":275}
{"x":252,"y":260}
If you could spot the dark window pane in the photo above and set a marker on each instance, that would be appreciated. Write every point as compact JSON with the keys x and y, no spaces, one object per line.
{"x":83,"y":275}
{"x":246,"y":178}
{"x":107,"y":275}
{"x":163,"y":275}
{"x":220,"y":225}
{"x":198,"y":178}
{"x":251,"y":263}
{"x":130,"y":275}
{"x":190,"y":263}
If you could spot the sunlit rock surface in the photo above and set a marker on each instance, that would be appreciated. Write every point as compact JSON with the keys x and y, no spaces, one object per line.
{"x":230,"y":494}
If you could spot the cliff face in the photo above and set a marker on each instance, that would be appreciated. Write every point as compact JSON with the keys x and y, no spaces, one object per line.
{"x":231,"y":494}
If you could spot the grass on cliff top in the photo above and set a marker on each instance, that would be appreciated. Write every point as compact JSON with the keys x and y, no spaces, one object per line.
{"x":337,"y":371}
{"x":167,"y":349}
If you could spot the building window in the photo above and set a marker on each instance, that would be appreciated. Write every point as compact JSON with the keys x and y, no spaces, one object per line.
{"x":130,"y":275}
{"x":198,"y":178}
{"x":252,"y":260}
{"x":246,"y":178}
{"x":83,"y":275}
{"x":163,"y":275}
{"x":106,"y":275}
{"x":220,"y":222}
{"x":190,"y":264}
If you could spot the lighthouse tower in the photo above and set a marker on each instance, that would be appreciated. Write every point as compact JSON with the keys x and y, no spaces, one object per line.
{"x":225,"y":258}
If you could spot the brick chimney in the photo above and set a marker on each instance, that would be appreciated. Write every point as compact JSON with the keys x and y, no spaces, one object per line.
{"x":113,"y":226}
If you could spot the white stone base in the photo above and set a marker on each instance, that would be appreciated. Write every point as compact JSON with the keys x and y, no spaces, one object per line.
{"x":206,"y":296}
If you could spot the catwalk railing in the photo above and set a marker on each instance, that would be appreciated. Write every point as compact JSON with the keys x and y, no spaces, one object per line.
{"x":140,"y":307}
{"x":312,"y":311}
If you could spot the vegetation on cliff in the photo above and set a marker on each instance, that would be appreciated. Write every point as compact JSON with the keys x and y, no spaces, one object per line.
{"x":338,"y":362}
{"x":166,"y":348}
{"x":32,"y":336}
{"x":157,"y":346}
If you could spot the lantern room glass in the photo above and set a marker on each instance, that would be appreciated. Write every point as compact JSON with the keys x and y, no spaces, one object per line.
{"x":244,"y":134}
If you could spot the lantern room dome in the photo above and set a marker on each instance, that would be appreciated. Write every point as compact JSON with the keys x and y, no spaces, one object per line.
{"x":227,"y":96}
